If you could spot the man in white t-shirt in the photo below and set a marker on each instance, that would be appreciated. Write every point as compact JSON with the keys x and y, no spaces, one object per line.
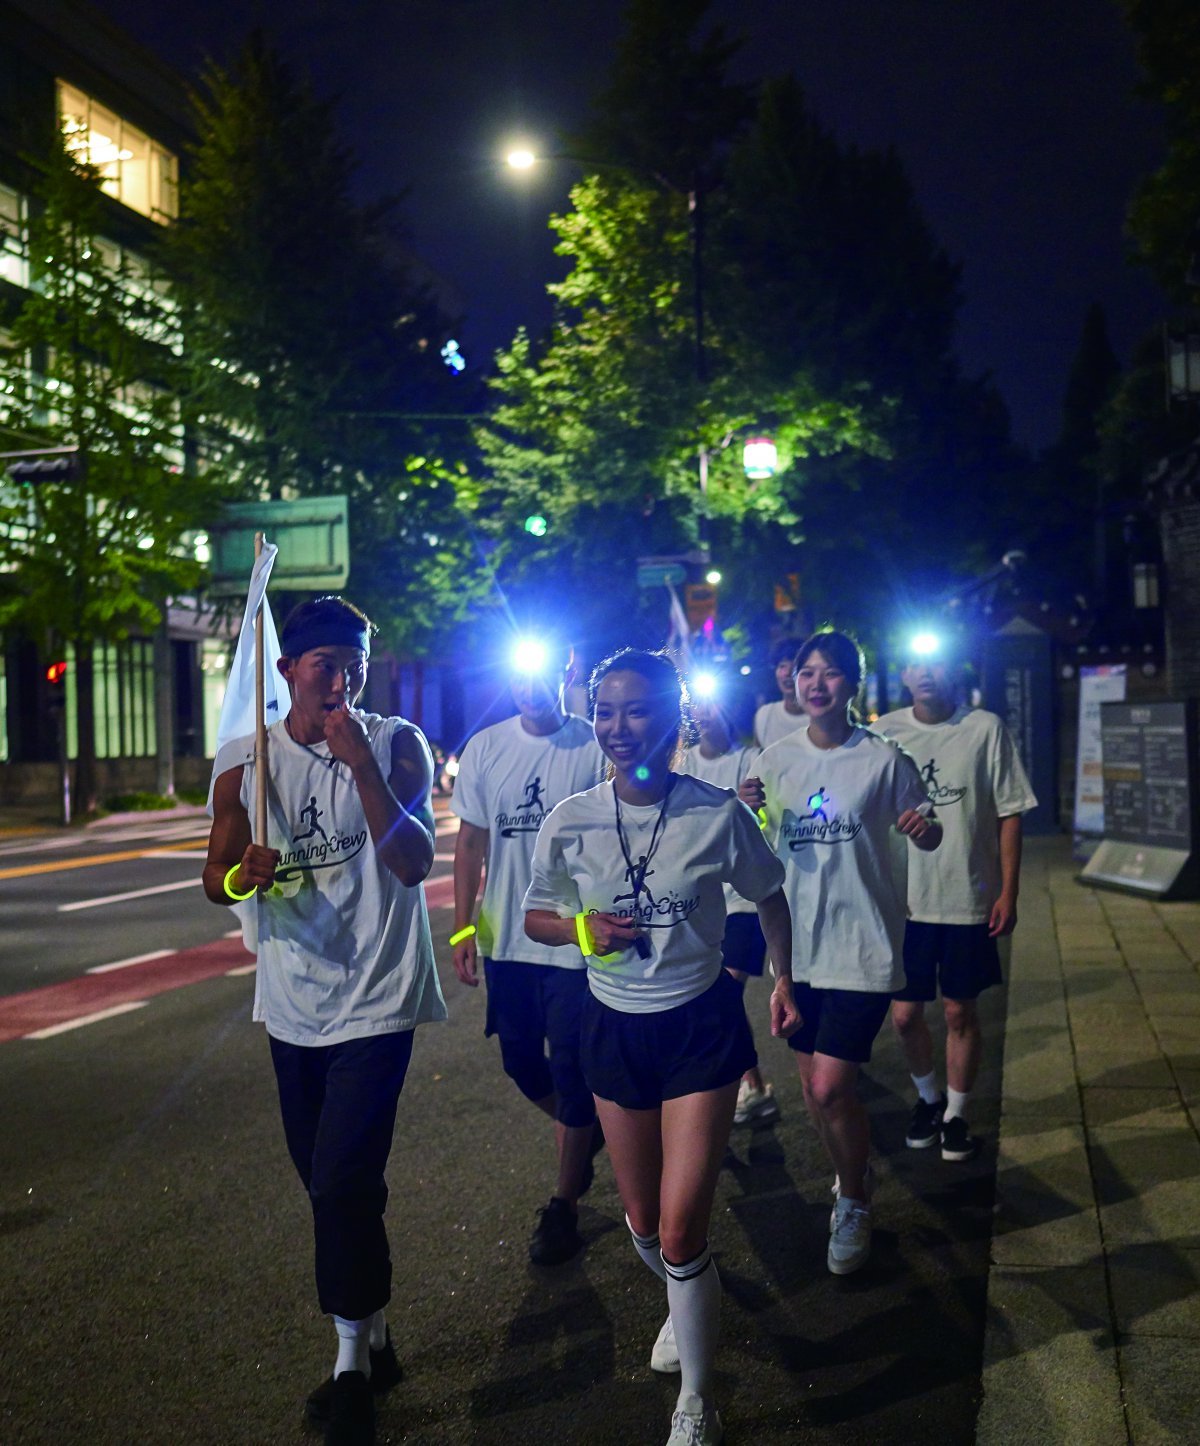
{"x":345,"y":965}
{"x":960,"y":899}
{"x":510,"y":776}
{"x":774,"y":721}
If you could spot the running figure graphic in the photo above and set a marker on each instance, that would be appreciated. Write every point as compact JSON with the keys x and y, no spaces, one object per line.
{"x":637,"y":874}
{"x":929,"y":774}
{"x":309,"y":815}
{"x":533,"y":795}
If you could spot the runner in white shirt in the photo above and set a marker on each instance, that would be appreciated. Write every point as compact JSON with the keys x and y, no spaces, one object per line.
{"x":961,"y":899}
{"x":345,"y":966}
{"x":774,"y":721}
{"x":719,"y":759}
{"x":636,"y":870}
{"x":833,"y":794}
{"x":510,"y":776}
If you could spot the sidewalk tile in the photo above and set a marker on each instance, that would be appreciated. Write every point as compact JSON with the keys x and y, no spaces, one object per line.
{"x":1039,"y":1076}
{"x":1160,"y":1390}
{"x":1050,"y":1370}
{"x":1154,"y":1290}
{"x":1147,"y":1184}
{"x":1173,"y":999}
{"x":1119,"y":1071}
{"x":1045,"y":1208}
{"x":1134,"y":1108}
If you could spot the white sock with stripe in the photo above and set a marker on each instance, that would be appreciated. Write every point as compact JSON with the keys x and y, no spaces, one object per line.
{"x":694,"y":1295}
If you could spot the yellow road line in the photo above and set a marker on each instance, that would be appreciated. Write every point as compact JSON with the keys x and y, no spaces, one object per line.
{"x":24,"y":871}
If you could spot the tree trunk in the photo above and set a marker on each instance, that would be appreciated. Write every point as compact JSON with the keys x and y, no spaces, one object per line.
{"x":85,"y":727}
{"x":164,"y":710}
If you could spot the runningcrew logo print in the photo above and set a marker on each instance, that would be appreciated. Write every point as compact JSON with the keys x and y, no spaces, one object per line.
{"x":317,"y":848}
{"x":821,"y":825}
{"x":529,"y":814}
{"x":939,"y":792}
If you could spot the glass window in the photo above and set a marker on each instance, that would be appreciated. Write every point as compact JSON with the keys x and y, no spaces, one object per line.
{"x":14,"y":257}
{"x":133,"y":168}
{"x":214,"y":668}
{"x":123,"y":680}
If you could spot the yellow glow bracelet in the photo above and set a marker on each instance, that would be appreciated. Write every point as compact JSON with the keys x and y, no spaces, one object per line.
{"x":761,"y":815}
{"x":228,"y":887}
{"x":586,"y":943}
{"x":461,"y":935}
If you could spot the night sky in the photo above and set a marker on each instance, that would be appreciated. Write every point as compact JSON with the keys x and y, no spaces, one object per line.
{"x":1016,"y":119}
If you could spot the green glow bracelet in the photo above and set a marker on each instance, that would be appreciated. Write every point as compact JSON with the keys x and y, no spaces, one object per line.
{"x":461,"y":935}
{"x":229,"y":888}
{"x":586,"y":943}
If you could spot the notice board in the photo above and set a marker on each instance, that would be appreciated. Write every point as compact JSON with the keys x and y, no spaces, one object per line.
{"x":1150,"y":800}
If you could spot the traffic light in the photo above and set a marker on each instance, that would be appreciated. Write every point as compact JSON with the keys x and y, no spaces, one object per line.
{"x":46,"y":464}
{"x":56,"y":685}
{"x":56,"y":673}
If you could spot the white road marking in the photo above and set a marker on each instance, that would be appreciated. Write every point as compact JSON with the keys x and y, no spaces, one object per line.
{"x":125,"y":963}
{"x":175,"y":854}
{"x":121,"y":898}
{"x":241,"y":969}
{"x":87,"y":1019}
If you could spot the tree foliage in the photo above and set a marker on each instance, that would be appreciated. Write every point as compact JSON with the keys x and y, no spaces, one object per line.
{"x":313,"y":349}
{"x":93,"y":364}
{"x":829,"y":313}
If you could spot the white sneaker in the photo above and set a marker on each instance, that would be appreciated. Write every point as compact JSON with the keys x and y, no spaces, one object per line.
{"x":664,"y":1355}
{"x":755,"y":1107}
{"x":695,"y":1424}
{"x":850,"y":1241}
{"x":836,"y":1190}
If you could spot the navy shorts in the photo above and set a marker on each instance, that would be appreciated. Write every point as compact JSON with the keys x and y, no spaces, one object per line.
{"x":639,"y":1060}
{"x":959,"y":959}
{"x":536,"y":1010}
{"x":841,"y":1023}
{"x":743,"y":948}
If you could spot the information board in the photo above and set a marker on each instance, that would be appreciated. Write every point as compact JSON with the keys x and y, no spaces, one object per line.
{"x":1150,"y":799}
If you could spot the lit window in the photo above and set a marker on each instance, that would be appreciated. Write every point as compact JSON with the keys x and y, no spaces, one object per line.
{"x":133,"y":168}
{"x":14,"y":258}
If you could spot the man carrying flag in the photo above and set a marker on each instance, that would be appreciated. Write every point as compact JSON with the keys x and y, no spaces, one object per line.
{"x":345,"y":963}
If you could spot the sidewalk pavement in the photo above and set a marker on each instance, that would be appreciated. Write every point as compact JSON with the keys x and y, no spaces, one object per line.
{"x":1093,"y":1329}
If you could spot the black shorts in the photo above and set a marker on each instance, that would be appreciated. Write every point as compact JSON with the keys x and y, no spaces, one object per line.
{"x":743,"y":948}
{"x":841,"y":1023}
{"x":639,"y":1060}
{"x":959,"y":959}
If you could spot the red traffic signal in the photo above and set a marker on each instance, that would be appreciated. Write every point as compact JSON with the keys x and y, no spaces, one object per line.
{"x":56,"y":672}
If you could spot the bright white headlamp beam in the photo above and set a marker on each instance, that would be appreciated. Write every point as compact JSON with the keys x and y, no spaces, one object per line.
{"x":704,"y":685}
{"x":529,"y":656}
{"x":924,"y":645}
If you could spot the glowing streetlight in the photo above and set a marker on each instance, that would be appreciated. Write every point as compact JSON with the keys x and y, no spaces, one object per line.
{"x":521,"y":159}
{"x":712,"y":577}
{"x":759,"y":458}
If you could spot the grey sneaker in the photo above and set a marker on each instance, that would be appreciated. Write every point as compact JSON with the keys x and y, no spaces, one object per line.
{"x":756,"y":1107}
{"x":850,"y":1239}
{"x":664,"y":1354}
{"x":695,"y":1424}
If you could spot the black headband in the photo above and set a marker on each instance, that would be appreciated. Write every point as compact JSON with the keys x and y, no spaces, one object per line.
{"x":328,"y":633}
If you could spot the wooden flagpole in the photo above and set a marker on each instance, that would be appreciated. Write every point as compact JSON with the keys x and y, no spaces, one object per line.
{"x":260,"y":717}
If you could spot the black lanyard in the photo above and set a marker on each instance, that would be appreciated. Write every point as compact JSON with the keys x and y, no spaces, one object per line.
{"x":637,"y":872}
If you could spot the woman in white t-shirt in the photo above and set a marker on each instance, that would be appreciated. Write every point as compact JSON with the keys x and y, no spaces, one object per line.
{"x":833,"y":793}
{"x":634,"y":872}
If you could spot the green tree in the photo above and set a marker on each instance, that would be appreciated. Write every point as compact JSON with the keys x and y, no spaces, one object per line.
{"x":1164,"y":218}
{"x":313,"y":352}
{"x":92,"y":364}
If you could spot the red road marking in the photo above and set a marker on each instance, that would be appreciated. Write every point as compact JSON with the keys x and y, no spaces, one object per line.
{"x":440,"y":893}
{"x":22,"y":1014}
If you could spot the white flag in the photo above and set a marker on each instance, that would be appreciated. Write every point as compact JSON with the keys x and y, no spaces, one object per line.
{"x":237,"y":708}
{"x":679,"y":638}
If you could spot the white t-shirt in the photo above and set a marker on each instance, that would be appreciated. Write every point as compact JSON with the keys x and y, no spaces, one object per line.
{"x":773,"y":722}
{"x":973,"y":776}
{"x":508,"y":781}
{"x":831,"y":814}
{"x":708,"y":839}
{"x":727,"y":771}
{"x":343,"y":946}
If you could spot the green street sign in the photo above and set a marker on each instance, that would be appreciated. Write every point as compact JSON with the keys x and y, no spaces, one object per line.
{"x":660,"y":573}
{"x":312,"y":535}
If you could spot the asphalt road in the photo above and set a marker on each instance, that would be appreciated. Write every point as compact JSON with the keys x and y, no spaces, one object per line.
{"x":155,"y":1245}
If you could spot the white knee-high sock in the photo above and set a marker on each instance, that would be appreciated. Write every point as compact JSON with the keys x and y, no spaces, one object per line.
{"x":694,"y":1295}
{"x":647,"y":1247}
{"x":354,"y":1345}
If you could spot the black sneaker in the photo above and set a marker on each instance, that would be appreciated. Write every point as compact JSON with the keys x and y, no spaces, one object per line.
{"x":589,"y":1169}
{"x":925,"y":1126}
{"x":958,"y":1143}
{"x":386,"y":1372}
{"x":556,"y":1238}
{"x":351,"y":1411}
